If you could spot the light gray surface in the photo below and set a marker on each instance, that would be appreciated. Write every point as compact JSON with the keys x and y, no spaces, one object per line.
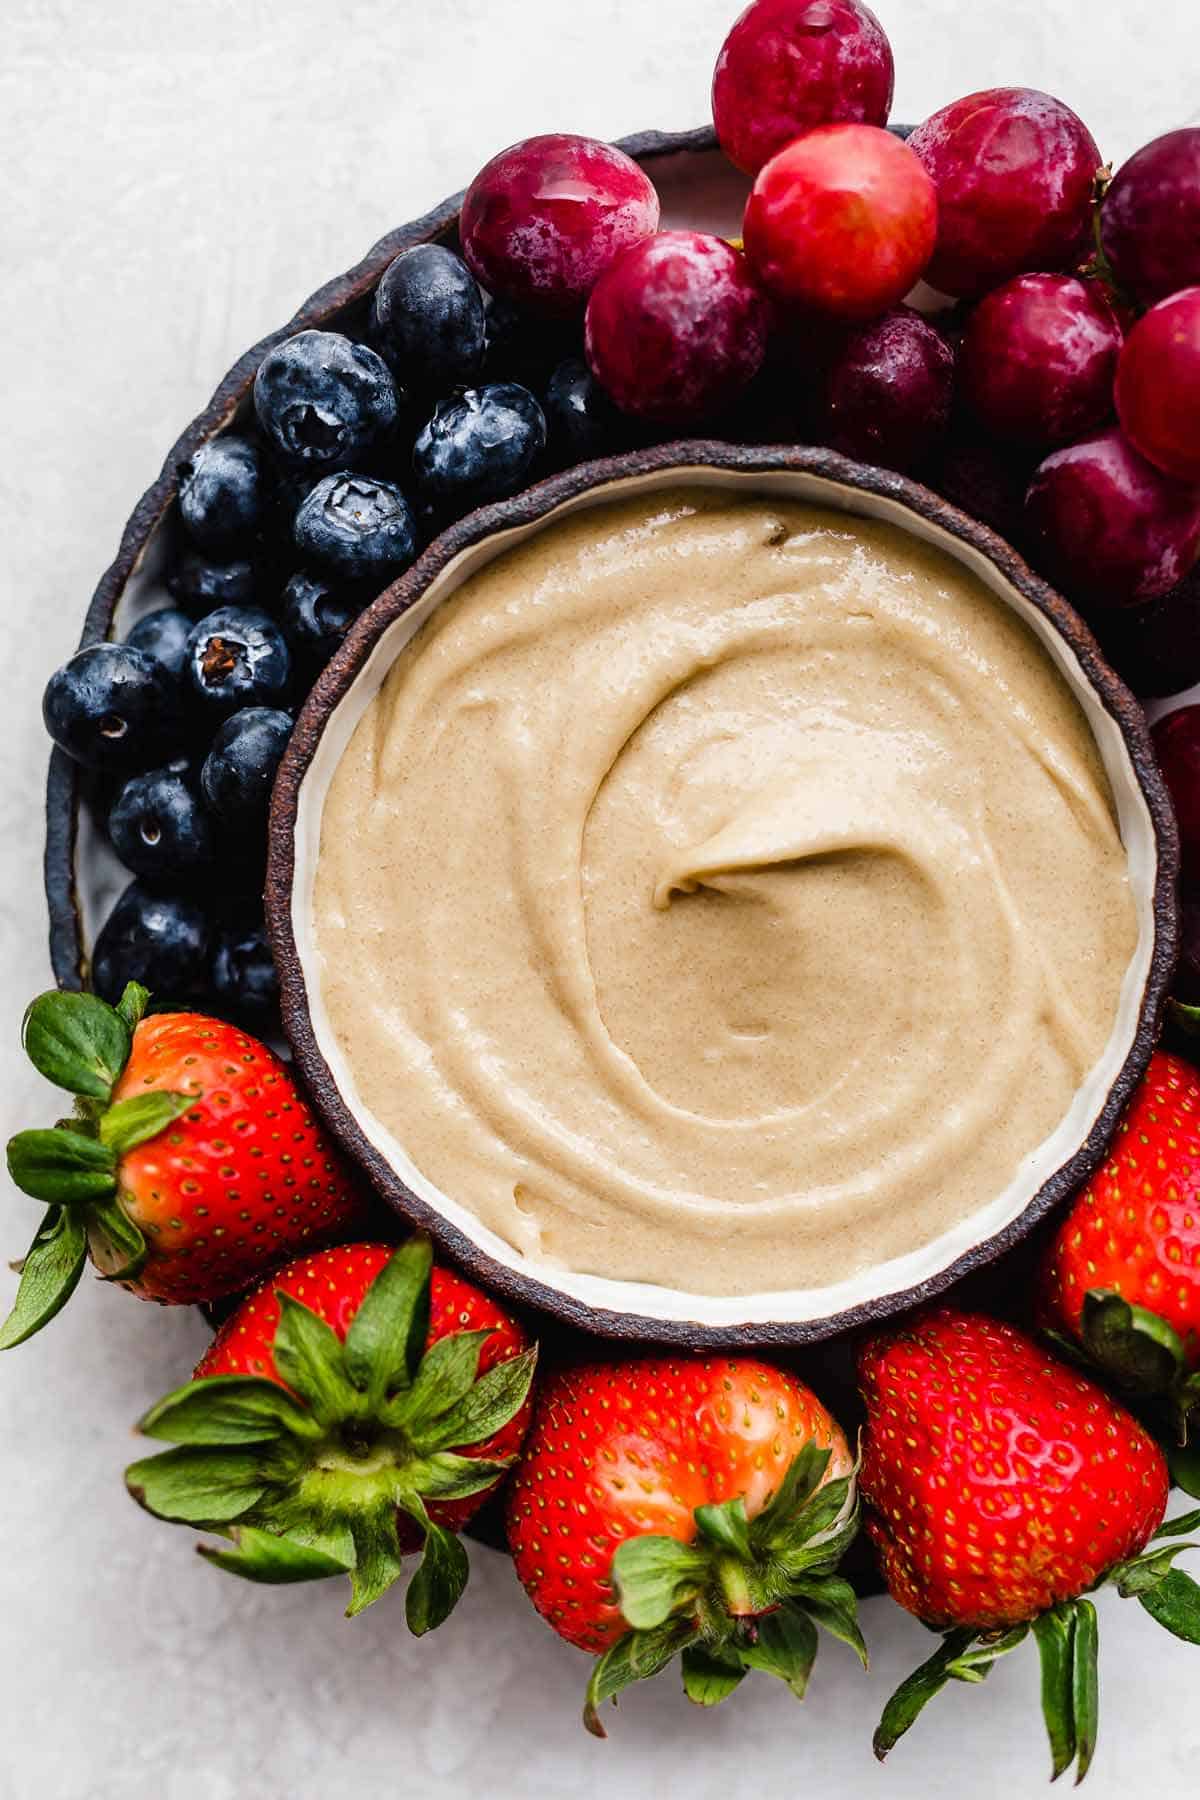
{"x":176,"y":179}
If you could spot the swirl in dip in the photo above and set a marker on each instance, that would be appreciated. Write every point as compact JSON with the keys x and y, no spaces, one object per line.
{"x":721,"y":893}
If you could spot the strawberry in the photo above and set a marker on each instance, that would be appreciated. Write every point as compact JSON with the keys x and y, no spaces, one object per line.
{"x":685,"y":1504}
{"x":1000,"y":1487}
{"x":360,"y":1405}
{"x":192,"y":1164}
{"x":1122,"y":1275}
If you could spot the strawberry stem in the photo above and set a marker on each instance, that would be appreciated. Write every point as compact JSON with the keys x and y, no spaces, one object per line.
{"x":734,"y":1584}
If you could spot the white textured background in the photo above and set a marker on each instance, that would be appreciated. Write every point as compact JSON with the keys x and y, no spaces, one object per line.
{"x":174,"y":178}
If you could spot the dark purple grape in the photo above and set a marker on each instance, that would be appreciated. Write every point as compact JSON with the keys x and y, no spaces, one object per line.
{"x":1038,"y":360}
{"x":1177,"y":747}
{"x":888,"y":391}
{"x":1150,"y":222}
{"x":1186,"y":986}
{"x":986,"y":480}
{"x":1156,"y":647}
{"x":1107,"y":527}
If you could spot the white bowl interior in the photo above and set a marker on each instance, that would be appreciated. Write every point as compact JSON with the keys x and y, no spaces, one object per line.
{"x":901,"y":1273}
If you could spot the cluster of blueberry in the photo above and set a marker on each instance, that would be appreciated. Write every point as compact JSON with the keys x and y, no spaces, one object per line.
{"x":362,"y":451}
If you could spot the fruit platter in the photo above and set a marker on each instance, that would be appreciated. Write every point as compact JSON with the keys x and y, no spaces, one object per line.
{"x":620,"y":920}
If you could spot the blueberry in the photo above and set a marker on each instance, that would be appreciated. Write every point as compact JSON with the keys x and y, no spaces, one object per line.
{"x":479,"y":446}
{"x":158,"y":825}
{"x":112,"y":707}
{"x":238,"y":656}
{"x":324,"y":401}
{"x":581,"y":420}
{"x":200,"y":584}
{"x":238,"y":771}
{"x":358,"y":527}
{"x":242,"y":972}
{"x":159,"y":940}
{"x":221,"y":492}
{"x":428,"y":319}
{"x":162,"y":635}
{"x":316,"y":617}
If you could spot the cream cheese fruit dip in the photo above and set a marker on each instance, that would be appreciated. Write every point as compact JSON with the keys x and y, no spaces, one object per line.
{"x":721,"y":893}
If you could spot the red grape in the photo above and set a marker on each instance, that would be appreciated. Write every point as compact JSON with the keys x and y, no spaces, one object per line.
{"x":888,"y":392}
{"x":1107,"y":526}
{"x":1158,"y":386}
{"x":1150,"y":220}
{"x":1177,"y":746}
{"x":842,"y":221}
{"x":1014,"y":171}
{"x":788,"y":65}
{"x":542,"y":220}
{"x":1038,"y":359}
{"x":676,"y":327}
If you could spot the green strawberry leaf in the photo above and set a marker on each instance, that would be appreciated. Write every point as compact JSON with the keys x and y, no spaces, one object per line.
{"x":1175,"y":1603}
{"x":1054,"y":1634}
{"x":118,"y":1247}
{"x":1146,"y":1572}
{"x":445,"y":1476}
{"x":195,"y":1485}
{"x":635,"y":1657}
{"x":438,"y":1582}
{"x":1133,"y":1344}
{"x":975,"y":1663}
{"x":376,"y":1555}
{"x":387,"y":1336}
{"x":1085,"y":1686}
{"x":133,"y":1003}
{"x":773,"y":1526}
{"x":263,"y":1556}
{"x":62,"y":1167}
{"x":49,"y":1276}
{"x":820,"y":1532}
{"x":77,"y":1042}
{"x":654,"y":1576}
{"x":308,"y":1356}
{"x":710,"y":1673}
{"x":1179,"y":1527}
{"x":823,"y":1511}
{"x":726,"y":1527}
{"x":229,"y":1410}
{"x":1184,"y":1460}
{"x":918,"y":1689}
{"x":785,"y":1645}
{"x":133,"y":1121}
{"x":495,"y":1398}
{"x":832,"y":1603}
{"x":445,"y":1376}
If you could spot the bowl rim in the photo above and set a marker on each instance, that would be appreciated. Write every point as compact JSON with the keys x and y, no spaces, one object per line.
{"x":529,"y":508}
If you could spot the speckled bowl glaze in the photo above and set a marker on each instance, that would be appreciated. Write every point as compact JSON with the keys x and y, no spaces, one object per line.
{"x":625,"y":1309}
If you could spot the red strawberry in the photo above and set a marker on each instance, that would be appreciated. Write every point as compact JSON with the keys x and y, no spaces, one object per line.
{"x":1000,"y":1487}
{"x":684,"y":1504}
{"x":360,"y":1404}
{"x":192,"y":1166}
{"x":1122,"y":1275}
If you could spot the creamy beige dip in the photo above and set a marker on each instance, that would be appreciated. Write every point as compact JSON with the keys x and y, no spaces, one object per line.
{"x":721,"y":893}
